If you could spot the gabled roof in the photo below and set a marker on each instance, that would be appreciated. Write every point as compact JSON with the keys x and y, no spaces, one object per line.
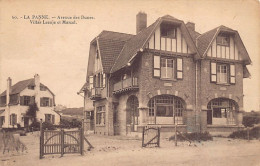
{"x":206,"y":39}
{"x":110,"y":46}
{"x":131,"y":48}
{"x":138,"y":42}
{"x":21,"y":85}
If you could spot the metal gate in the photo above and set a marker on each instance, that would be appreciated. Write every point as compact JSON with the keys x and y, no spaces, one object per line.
{"x":61,"y":142}
{"x":151,"y":136}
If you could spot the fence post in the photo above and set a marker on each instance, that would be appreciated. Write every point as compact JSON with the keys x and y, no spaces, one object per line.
{"x":143,"y":137}
{"x":62,"y":142}
{"x":41,"y":139}
{"x":82,"y":138}
{"x":247,"y":129}
{"x":158,"y":143}
{"x":175,"y":137}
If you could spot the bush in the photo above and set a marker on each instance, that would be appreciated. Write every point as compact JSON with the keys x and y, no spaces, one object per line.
{"x":254,"y":133}
{"x":74,"y":123}
{"x":35,"y":126}
{"x":251,"y":118}
{"x":192,"y":137}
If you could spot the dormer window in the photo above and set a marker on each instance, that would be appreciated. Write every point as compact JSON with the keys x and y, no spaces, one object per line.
{"x":31,"y":87}
{"x":168,"y":31}
{"x":223,"y":40}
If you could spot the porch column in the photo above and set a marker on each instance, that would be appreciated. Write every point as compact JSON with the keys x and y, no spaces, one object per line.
{"x":143,"y":114}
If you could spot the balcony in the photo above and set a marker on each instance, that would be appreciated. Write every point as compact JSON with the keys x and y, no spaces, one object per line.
{"x":125,"y":85}
{"x":95,"y":93}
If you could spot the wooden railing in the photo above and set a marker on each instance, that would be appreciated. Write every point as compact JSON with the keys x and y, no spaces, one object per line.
{"x":96,"y":92}
{"x":126,"y":83}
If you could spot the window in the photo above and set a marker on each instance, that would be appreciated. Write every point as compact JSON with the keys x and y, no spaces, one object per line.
{"x":164,"y":111}
{"x":100,"y":115}
{"x":14,"y":99}
{"x":50,"y":118}
{"x":222,"y":73}
{"x":223,"y":108}
{"x":165,"y":106}
{"x":165,"y":67}
{"x":168,"y":31}
{"x":13,"y":119}
{"x":46,"y":102}
{"x":31,"y":87}
{"x":43,"y":88}
{"x":27,"y":100}
{"x":223,"y":40}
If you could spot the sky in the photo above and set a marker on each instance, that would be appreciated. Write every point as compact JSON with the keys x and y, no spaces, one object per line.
{"x":59,"y":53}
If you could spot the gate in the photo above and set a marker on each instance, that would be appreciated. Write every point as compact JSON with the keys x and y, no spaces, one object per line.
{"x":62,"y":142}
{"x":151,"y":136}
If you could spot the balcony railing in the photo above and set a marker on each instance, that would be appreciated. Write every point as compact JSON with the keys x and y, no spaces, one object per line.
{"x":126,"y":85}
{"x":95,"y":93}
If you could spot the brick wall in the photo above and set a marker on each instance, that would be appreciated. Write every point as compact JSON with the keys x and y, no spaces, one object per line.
{"x":150,"y":86}
{"x":210,"y":90}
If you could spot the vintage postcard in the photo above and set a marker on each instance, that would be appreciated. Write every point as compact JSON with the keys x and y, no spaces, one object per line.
{"x":153,"y":82}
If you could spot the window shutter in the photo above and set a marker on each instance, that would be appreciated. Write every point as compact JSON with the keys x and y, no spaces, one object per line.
{"x":41,"y":102}
{"x":213,"y":72}
{"x":156,"y":66}
{"x":179,"y":68}
{"x":91,"y":81}
{"x":232,"y":74}
{"x":104,"y":80}
{"x":21,"y":100}
{"x":10,"y":119}
{"x":53,"y":119}
{"x":50,"y":102}
{"x":15,"y":119}
{"x":46,"y":117}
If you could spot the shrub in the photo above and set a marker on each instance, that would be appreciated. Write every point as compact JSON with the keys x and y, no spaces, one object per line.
{"x":251,"y":118}
{"x":45,"y":125}
{"x":74,"y":123}
{"x":192,"y":137}
{"x":242,"y":134}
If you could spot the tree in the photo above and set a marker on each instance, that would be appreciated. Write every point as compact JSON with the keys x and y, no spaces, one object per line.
{"x":31,"y":112}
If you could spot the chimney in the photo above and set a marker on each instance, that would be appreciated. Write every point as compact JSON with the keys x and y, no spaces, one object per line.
{"x":37,"y":89}
{"x":141,"y":21}
{"x":190,"y":26}
{"x":8,"y":90}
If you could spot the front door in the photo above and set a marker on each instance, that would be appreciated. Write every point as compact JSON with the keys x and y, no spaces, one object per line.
{"x":209,"y":117}
{"x":132,"y":113}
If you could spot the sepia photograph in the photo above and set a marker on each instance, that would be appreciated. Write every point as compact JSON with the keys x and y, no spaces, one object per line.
{"x":130,"y":83}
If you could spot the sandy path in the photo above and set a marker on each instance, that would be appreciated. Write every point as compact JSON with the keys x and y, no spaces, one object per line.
{"x":121,"y":151}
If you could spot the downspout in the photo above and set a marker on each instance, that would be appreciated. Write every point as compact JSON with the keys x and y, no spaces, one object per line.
{"x":196,"y":91}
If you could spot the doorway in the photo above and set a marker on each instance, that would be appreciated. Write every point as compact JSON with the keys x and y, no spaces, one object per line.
{"x":132,"y":113}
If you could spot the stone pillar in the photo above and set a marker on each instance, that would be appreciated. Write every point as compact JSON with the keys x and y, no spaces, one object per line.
{"x":143,"y":114}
